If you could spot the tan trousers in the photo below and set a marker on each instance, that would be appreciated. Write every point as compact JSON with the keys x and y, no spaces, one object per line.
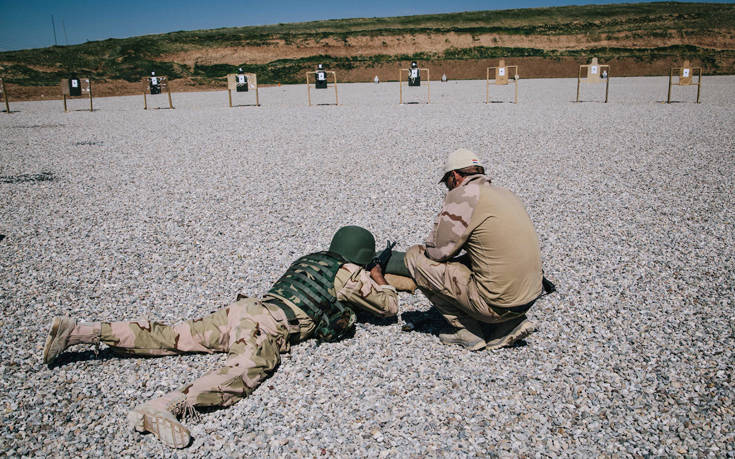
{"x":253,"y":333}
{"x":452,"y":289}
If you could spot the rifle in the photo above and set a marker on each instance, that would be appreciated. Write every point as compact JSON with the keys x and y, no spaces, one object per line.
{"x":382,"y":258}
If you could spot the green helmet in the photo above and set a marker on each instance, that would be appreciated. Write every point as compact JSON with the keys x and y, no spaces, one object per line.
{"x":355,"y":244}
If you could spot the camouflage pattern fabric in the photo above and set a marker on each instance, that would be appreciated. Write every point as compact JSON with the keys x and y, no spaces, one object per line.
{"x":251,"y":332}
{"x":309,"y":284}
{"x":451,"y":225}
{"x":452,"y":290}
{"x":355,"y":286}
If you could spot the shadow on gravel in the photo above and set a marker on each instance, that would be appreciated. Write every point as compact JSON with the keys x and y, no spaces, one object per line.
{"x":366,"y":318}
{"x":69,"y":357}
{"x":42,"y":177}
{"x":430,"y":321}
{"x":36,"y":126}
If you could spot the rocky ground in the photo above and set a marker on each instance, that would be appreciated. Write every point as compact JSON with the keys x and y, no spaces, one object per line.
{"x":166,"y":214}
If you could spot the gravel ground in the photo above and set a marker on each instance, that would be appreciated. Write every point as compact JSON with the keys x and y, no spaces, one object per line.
{"x":168,"y":214}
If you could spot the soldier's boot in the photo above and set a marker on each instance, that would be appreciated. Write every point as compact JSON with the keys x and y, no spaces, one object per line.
{"x":508,"y":333}
{"x":159,"y":417}
{"x":471,"y":340}
{"x":65,"y":332}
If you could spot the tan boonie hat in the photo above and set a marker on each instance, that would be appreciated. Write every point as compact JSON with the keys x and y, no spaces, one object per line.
{"x":459,"y":159}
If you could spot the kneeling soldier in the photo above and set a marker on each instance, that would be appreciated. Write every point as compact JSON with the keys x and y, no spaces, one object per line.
{"x":484,"y":294}
{"x":315,"y":297}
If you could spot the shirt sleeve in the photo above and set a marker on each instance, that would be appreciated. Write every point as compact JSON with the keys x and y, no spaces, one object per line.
{"x":451,"y":227}
{"x":355,"y":286}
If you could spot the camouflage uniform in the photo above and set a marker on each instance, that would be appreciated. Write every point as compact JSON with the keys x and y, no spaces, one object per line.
{"x":501,"y":272}
{"x":253,"y":332}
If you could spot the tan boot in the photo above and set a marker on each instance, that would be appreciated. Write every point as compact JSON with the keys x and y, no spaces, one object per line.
{"x":58,"y":338}
{"x":464,"y":338}
{"x":508,"y":333}
{"x":158,"y":418}
{"x":67,"y":332}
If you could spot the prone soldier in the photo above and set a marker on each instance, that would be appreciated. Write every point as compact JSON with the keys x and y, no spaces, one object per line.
{"x":316,"y":297}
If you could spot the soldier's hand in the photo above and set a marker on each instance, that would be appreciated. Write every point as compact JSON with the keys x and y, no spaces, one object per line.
{"x":376,"y":272}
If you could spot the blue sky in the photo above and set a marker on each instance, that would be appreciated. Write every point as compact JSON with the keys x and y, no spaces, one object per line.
{"x":27,"y":24}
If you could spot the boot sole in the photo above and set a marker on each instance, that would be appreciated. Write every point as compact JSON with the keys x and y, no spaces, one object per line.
{"x":55,"y":324}
{"x":471,"y":347}
{"x":521,"y":331}
{"x":170,"y":433}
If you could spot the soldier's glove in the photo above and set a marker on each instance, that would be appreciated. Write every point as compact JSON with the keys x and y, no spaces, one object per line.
{"x":381,"y":258}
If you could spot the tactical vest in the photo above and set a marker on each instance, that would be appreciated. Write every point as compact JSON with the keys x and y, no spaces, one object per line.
{"x":309,"y":284}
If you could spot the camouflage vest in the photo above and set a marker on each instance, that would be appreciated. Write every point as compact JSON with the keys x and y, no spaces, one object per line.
{"x":309,"y":284}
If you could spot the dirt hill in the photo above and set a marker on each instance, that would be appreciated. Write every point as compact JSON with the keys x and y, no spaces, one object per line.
{"x":635,"y":39}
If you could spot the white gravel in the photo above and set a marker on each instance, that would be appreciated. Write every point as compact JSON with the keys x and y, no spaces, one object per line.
{"x":168,"y":214}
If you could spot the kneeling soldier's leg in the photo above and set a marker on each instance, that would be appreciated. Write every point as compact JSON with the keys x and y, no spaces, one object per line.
{"x":427,"y":273}
{"x":447,"y":286}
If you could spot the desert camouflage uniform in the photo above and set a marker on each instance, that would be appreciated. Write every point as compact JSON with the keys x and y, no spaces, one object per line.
{"x":253,"y":332}
{"x":502,"y":266}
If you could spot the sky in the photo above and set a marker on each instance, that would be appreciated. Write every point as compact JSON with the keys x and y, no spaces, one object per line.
{"x":28,"y":23}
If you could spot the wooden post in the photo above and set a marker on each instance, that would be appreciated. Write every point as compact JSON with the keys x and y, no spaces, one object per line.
{"x":428,"y":86}
{"x":428,"y":83}
{"x":400,"y":83}
{"x":607,"y":84}
{"x":308,"y":90}
{"x":686,"y":74}
{"x":579,"y":78}
{"x":66,"y":110}
{"x":168,"y":90}
{"x":233,"y":85}
{"x":487,"y":82}
{"x":91,"y":106}
{"x":515,"y":80}
{"x":336,"y":96}
{"x":5,"y":96}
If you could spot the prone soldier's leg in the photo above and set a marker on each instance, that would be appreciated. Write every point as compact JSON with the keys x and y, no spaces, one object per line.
{"x":145,"y":338}
{"x":254,"y":345}
{"x":208,"y":334}
{"x":253,"y":356}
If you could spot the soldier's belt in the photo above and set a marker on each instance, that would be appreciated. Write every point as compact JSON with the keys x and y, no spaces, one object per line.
{"x":513,"y":311}
{"x":282,"y":304}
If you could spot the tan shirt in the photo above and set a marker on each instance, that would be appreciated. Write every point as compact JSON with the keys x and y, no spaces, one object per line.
{"x":491,"y":224}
